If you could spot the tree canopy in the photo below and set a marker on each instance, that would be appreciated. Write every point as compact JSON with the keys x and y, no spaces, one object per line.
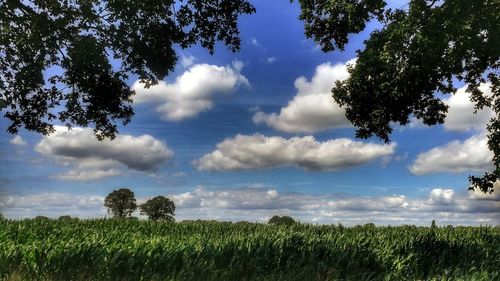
{"x":417,"y":54}
{"x":120,"y":203}
{"x":284,"y":220}
{"x":55,"y":56}
{"x":158,"y":208}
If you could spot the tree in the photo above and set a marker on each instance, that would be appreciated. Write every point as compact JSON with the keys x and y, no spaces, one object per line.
{"x":81,"y":37}
{"x":284,"y":220}
{"x":413,"y":58}
{"x":159,"y":208}
{"x":67,"y":218}
{"x":42,"y":218}
{"x":120,"y":203}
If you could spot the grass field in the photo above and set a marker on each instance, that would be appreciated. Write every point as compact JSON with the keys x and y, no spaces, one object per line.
{"x":145,"y":250}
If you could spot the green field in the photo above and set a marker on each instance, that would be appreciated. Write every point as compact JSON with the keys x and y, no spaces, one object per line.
{"x":145,"y":250}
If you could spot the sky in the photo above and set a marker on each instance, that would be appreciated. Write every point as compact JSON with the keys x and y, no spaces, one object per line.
{"x":252,"y":134}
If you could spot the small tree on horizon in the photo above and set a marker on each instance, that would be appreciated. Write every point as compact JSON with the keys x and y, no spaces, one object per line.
{"x":158,"y":208}
{"x":284,"y":220}
{"x":67,"y":218}
{"x":121,"y":203}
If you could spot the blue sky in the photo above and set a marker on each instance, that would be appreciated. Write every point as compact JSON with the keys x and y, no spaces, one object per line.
{"x":240,"y":136}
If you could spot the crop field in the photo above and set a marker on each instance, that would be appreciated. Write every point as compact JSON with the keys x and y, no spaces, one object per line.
{"x":146,"y":250}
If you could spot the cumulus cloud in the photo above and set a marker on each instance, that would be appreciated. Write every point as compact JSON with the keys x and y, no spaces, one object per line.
{"x":257,"y":151}
{"x":91,"y":159}
{"x":192,"y":92}
{"x":461,"y":115}
{"x":313,"y":108}
{"x":18,"y":141}
{"x":441,"y":196}
{"x":455,"y":157}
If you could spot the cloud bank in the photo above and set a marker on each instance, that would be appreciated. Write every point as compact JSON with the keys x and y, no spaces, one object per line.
{"x":259,"y":204}
{"x":256,"y":151}
{"x":192,"y":92}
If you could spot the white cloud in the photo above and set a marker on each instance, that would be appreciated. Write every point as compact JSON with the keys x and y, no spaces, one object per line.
{"x":313,"y":108}
{"x":18,"y":141}
{"x":193,"y":92}
{"x":187,"y":61}
{"x":88,"y":175}
{"x":441,"y":196}
{"x":258,"y":151}
{"x":455,"y":157}
{"x":271,"y":59}
{"x":91,"y":159}
{"x":461,"y":115}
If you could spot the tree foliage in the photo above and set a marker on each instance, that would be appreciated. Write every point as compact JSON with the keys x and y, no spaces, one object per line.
{"x":120,"y":203}
{"x":42,"y":218}
{"x":411,"y":60}
{"x":67,"y":218}
{"x":284,"y":220}
{"x":55,"y":56}
{"x":158,"y":208}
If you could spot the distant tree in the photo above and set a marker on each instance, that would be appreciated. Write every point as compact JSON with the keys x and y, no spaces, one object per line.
{"x":67,"y":218}
{"x":158,"y":208}
{"x":42,"y":218}
{"x":244,"y":223}
{"x":120,"y":203}
{"x":81,"y":38}
{"x":433,"y":224}
{"x":284,"y":220}
{"x":1,"y":216}
{"x":369,"y":225}
{"x":411,"y":60}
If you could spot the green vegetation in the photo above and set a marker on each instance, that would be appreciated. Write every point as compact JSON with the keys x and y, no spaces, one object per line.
{"x":119,"y":249}
{"x":284,"y":220}
{"x":120,"y":203}
{"x":159,"y":208}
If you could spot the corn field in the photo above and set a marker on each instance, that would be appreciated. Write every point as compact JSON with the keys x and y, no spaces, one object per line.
{"x":144,"y":250}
